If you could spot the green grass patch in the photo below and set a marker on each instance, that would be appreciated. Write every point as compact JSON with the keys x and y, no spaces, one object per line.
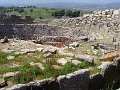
{"x":3,"y":57}
{"x":28,"y":73}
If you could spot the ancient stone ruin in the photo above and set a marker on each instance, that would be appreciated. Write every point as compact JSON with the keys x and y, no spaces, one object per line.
{"x":41,"y":33}
{"x":78,"y":80}
{"x":98,"y":31}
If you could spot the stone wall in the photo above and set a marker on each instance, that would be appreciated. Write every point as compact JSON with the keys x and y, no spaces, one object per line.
{"x":14,"y":19}
{"x":107,"y":21}
{"x":6,"y":30}
{"x":35,"y":31}
{"x":78,"y":80}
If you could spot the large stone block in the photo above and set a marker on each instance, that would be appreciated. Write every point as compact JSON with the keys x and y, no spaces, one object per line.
{"x":47,"y":84}
{"x":78,"y":80}
{"x":87,"y":58}
{"x":96,"y":82}
{"x":109,"y":73}
{"x":18,"y":87}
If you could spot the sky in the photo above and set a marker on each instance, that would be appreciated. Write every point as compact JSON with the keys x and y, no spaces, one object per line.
{"x":14,"y":2}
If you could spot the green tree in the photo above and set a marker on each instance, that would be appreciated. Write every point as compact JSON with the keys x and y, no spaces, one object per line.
{"x":58,"y":13}
{"x":31,"y":10}
{"x":76,"y":13}
{"x":68,"y":13}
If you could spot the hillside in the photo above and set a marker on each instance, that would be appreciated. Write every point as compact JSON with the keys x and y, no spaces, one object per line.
{"x":42,"y":13}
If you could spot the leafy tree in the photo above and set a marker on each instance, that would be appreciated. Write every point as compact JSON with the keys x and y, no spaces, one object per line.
{"x":75,"y":13}
{"x":68,"y":13}
{"x":22,"y":10}
{"x":58,"y":13}
{"x":31,"y":10}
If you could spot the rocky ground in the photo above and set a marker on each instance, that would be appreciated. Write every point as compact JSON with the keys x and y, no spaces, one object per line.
{"x":19,"y":54}
{"x":22,"y":61}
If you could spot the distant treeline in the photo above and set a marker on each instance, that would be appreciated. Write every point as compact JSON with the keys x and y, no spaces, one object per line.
{"x":42,"y":13}
{"x":67,"y":13}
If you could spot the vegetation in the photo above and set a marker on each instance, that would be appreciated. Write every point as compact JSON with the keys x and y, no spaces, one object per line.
{"x":67,"y":13}
{"x":28,"y":73}
{"x":40,"y":13}
{"x":3,"y":57}
{"x":49,"y":71}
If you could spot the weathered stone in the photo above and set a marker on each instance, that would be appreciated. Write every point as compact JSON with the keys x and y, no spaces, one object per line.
{"x":96,"y":82}
{"x":104,"y":65}
{"x":77,"y":80}
{"x":3,"y":89}
{"x":10,"y":57}
{"x":53,"y":50}
{"x":73,"y":48}
{"x":103,"y":12}
{"x":53,"y":85}
{"x":116,"y":12}
{"x":87,"y":58}
{"x":50,"y":49}
{"x":118,"y":89}
{"x":109,"y":73}
{"x":8,"y":50}
{"x":68,"y":59}
{"x":5,"y":40}
{"x":76,"y":62}
{"x":62,"y":61}
{"x":24,"y":51}
{"x":10,"y":74}
{"x":47,"y":55}
{"x":74,"y":45}
{"x":46,"y":84}
{"x":68,"y":54}
{"x":18,"y":87}
{"x":17,"y":53}
{"x":3,"y":83}
{"x":39,"y":49}
{"x":14,"y":65}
